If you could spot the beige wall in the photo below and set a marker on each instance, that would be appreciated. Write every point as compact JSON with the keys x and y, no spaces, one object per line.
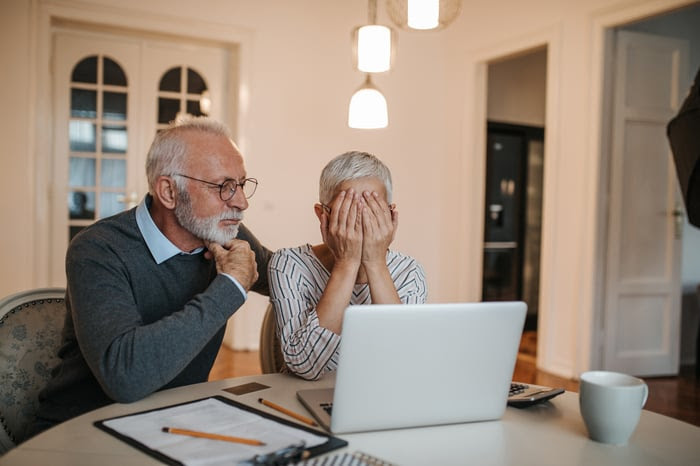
{"x":300,"y":77}
{"x":16,"y":161}
{"x":517,"y":89}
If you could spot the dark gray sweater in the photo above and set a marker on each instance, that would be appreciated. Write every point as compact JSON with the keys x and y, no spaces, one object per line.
{"x":133,"y":326}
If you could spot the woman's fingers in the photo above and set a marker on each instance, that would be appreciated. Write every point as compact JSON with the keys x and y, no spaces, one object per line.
{"x":344,"y":233}
{"x":379,"y":221}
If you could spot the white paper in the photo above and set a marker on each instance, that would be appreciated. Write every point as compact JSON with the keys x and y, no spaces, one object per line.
{"x":211,"y":416}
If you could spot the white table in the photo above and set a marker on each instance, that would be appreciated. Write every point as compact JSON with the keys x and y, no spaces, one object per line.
{"x":548,"y":434}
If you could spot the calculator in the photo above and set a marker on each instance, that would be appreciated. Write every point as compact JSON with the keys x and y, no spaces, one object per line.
{"x":522,"y":395}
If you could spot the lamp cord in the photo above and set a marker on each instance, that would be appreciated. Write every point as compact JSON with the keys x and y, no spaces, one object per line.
{"x":372,"y":11}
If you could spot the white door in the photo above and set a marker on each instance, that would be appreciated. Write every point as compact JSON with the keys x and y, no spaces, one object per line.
{"x":176,"y":80}
{"x":110,"y":91}
{"x":642,"y":305}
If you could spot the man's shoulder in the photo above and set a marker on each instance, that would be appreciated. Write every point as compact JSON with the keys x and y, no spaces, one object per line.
{"x":119,"y":229}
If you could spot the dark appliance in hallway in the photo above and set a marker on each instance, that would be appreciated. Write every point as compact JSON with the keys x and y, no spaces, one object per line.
{"x":513,"y":211}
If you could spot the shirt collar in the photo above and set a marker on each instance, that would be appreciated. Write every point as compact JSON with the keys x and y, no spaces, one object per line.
{"x":159,"y":245}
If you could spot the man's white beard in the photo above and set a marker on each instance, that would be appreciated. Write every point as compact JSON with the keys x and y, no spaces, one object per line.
{"x":208,"y":228}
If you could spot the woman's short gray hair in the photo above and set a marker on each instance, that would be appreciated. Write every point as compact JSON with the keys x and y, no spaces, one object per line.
{"x":350,"y":166}
{"x":168,"y":152}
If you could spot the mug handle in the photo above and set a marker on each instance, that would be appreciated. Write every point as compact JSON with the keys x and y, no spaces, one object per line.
{"x":646,"y":394}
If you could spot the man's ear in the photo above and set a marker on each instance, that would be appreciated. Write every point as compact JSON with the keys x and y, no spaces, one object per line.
{"x":166,"y":191}
{"x":318,"y":209}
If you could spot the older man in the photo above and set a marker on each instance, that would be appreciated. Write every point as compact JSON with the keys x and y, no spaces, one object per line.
{"x":150,"y":290}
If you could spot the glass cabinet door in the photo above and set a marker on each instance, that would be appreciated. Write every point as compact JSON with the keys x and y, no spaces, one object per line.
{"x":98,"y":141}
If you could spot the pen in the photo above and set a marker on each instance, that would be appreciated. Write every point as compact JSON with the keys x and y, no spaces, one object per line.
{"x":225,"y":438}
{"x":296,"y":416}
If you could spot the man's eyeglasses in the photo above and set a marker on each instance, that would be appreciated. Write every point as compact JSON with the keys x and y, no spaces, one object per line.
{"x":227,"y":189}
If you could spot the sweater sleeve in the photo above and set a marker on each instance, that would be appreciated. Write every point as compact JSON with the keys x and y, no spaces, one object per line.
{"x":262,"y":258}
{"x":309,"y":350}
{"x":129,"y":357}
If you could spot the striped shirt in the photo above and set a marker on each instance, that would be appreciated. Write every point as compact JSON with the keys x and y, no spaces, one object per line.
{"x":297,"y":280}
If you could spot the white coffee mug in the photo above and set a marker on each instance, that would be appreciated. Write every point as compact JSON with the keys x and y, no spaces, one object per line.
{"x":611,"y":404}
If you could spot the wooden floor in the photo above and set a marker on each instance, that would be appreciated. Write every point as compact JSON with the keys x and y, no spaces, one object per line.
{"x":677,"y":397}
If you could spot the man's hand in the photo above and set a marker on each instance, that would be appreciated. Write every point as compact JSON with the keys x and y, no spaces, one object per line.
{"x":235,"y":258}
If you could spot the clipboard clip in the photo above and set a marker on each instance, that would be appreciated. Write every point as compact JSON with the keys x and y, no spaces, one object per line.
{"x":291,"y":454}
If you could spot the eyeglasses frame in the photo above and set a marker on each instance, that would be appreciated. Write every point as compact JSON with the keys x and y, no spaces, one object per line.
{"x":236,"y":184}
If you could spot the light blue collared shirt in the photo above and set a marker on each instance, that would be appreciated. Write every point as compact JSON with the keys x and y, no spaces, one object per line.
{"x":159,"y":245}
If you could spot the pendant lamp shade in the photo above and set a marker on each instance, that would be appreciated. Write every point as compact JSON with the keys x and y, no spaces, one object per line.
{"x":368,"y":109}
{"x":423,"y":14}
{"x":373,"y":48}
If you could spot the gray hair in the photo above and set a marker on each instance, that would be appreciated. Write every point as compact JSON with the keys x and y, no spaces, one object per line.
{"x":169,"y":150}
{"x":350,"y":166}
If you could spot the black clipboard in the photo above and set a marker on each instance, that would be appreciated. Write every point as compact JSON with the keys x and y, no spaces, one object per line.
{"x":332,"y":443}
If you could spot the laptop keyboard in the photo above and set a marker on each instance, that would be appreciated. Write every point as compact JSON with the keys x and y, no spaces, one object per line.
{"x":516,"y":388}
{"x":327,"y":407}
{"x":522,"y":395}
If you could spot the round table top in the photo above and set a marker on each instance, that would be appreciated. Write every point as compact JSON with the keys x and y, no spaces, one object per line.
{"x":548,"y":433}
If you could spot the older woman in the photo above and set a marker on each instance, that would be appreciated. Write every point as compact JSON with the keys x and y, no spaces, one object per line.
{"x":310,"y":286}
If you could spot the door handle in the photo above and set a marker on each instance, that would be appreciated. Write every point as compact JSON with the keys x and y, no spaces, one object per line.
{"x":130,"y":201}
{"x":500,"y":245}
{"x":678,"y":217}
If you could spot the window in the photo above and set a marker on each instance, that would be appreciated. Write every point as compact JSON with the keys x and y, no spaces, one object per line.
{"x":98,"y":140}
{"x":181,"y":91}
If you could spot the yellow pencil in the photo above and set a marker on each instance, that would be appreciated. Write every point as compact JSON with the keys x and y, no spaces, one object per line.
{"x":225,"y":438}
{"x":296,"y":416}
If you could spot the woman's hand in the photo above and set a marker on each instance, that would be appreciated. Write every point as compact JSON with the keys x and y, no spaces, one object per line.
{"x":342,"y":228}
{"x":379,"y":224}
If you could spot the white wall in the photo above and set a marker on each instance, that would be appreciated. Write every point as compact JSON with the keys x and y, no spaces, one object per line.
{"x":301,"y":78}
{"x":517,"y":89}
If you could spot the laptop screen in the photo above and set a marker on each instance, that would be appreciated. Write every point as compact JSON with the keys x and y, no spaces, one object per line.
{"x":425,"y":364}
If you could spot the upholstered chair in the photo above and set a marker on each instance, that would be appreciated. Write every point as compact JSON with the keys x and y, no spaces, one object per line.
{"x":271,"y":359}
{"x":30,"y":334}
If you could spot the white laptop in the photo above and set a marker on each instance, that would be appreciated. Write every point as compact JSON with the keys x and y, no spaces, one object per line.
{"x":409,"y":365}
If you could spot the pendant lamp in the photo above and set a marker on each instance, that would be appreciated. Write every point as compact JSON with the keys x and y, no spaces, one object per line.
{"x":368,"y":109}
{"x":423,"y":14}
{"x":373,"y":44}
{"x":373,"y":47}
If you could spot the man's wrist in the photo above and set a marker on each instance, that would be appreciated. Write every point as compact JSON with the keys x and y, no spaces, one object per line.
{"x":235,"y":282}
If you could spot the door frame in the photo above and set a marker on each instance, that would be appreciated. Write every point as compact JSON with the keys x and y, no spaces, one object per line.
{"x":568,"y":342}
{"x":528,"y":133}
{"x":46,"y":14}
{"x":472,"y":194}
{"x":600,"y":142}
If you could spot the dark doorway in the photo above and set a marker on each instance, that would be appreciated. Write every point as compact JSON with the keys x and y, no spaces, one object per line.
{"x":513,"y":210}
